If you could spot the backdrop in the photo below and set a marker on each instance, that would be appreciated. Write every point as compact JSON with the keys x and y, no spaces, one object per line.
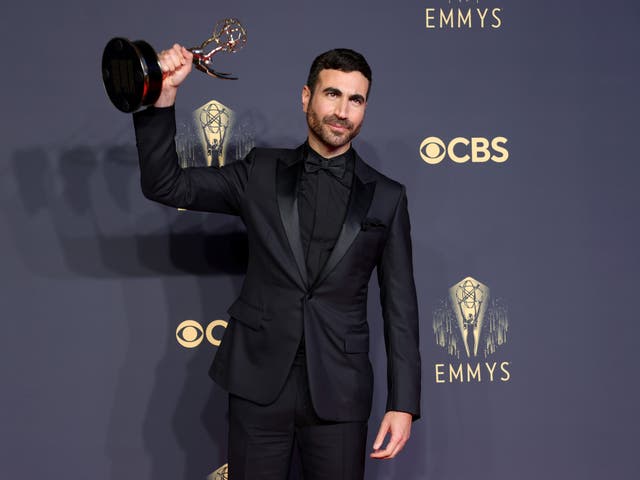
{"x":512,"y":124}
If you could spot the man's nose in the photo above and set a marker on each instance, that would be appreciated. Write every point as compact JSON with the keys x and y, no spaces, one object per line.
{"x":342,"y":108}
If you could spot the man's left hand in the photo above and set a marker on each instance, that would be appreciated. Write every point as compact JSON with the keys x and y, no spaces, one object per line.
{"x":398,"y":424}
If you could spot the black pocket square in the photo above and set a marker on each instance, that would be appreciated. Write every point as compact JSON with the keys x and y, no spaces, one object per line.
{"x":371,"y":223}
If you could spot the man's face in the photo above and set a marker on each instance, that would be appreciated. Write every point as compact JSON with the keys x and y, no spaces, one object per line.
{"x":335,"y":110}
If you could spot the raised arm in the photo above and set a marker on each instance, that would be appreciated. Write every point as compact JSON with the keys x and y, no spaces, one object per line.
{"x":209,"y":189}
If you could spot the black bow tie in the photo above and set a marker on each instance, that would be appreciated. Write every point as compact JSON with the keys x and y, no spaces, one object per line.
{"x":335,"y":166}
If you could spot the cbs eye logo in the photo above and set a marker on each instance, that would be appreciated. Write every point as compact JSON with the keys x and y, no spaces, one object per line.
{"x":460,"y":150}
{"x":190,"y":333}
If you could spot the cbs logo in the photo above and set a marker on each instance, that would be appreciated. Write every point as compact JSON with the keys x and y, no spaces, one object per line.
{"x":460,"y":150}
{"x":190,"y":333}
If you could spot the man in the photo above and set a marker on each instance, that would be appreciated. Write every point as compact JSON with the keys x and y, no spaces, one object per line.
{"x":294,"y":356}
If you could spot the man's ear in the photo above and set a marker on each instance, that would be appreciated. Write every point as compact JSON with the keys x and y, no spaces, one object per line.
{"x":306,"y":96}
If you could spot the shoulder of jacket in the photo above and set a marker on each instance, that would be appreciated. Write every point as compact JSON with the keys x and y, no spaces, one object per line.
{"x":383,"y":180}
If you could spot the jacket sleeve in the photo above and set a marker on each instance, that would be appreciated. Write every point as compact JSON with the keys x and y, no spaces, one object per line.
{"x":211,"y":189}
{"x":400,"y":313}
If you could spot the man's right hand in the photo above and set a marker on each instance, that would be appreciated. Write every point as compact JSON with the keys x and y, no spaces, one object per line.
{"x":176,"y":64}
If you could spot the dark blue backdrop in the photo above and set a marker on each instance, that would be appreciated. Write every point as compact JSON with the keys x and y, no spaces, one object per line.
{"x":95,"y":279}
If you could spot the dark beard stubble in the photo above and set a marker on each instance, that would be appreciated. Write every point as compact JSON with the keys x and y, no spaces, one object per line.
{"x":322,"y":130}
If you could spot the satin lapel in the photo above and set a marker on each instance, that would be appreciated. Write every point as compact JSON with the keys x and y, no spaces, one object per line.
{"x":288,"y":205}
{"x":359,"y":202}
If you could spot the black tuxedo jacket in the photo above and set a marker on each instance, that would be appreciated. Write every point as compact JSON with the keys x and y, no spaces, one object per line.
{"x":277,"y":300}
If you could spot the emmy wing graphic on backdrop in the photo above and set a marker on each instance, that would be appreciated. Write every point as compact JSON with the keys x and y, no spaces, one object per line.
{"x":469,"y":322}
{"x":220,"y":474}
{"x":215,"y":122}
{"x":213,"y":137}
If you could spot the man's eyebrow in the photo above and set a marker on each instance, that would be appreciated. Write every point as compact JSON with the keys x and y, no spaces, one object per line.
{"x":358,"y":97}
{"x":333,"y":90}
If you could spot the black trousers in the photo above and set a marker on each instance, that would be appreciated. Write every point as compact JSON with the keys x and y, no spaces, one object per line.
{"x":262,"y":438}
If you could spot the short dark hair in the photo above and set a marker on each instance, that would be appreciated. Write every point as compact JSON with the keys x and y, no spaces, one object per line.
{"x":343,"y":59}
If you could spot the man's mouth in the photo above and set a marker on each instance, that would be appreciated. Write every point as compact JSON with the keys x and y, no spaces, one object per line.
{"x":338,"y":126}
